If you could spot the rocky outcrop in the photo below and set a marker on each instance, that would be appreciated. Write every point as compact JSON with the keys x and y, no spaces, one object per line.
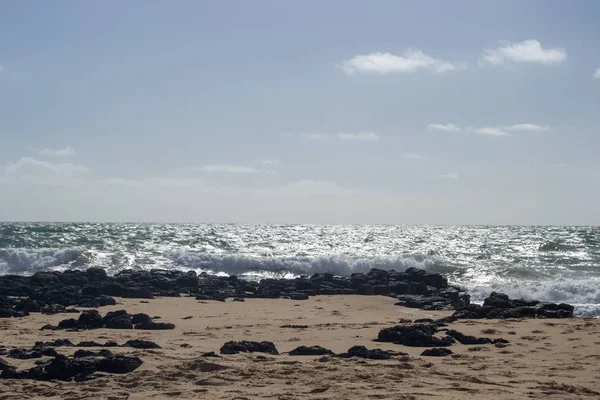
{"x":500,"y":306}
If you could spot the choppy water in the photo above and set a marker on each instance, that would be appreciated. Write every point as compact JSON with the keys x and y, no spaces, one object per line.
{"x":560,"y":264}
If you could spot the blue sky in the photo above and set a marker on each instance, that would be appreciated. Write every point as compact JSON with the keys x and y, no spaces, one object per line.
{"x":435,"y":112}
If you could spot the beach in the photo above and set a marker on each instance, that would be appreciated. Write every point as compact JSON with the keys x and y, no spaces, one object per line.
{"x":545,"y":358}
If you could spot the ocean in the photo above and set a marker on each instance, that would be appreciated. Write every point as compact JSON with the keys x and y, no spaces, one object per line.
{"x":549,"y":263}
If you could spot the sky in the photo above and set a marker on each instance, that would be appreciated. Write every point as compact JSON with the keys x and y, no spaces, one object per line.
{"x":381,"y":112}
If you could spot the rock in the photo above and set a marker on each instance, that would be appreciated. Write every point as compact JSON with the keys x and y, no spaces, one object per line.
{"x":119,"y":323}
{"x":4,"y":365}
{"x":240,"y":299}
{"x":248,"y":347}
{"x":310,"y":351}
{"x":141,"y":344}
{"x":366,"y":289}
{"x":294,"y":326}
{"x":6,"y":313}
{"x":90,"y":319}
{"x":211,"y":354}
{"x":298,"y":296}
{"x":419,"y":335}
{"x":23,"y":354}
{"x":89,"y":344}
{"x":375,"y":354}
{"x":465,"y":339}
{"x":55,"y":343}
{"x":88,"y":353}
{"x":140,"y":318}
{"x":500,"y":306}
{"x":436,"y":352}
{"x":155,"y":326}
{"x":64,"y":368}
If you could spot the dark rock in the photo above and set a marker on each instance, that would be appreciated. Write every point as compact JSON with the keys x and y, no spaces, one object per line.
{"x":211,"y":354}
{"x":23,"y":354}
{"x":248,"y":347}
{"x":119,"y":323}
{"x":140,"y":318}
{"x":298,"y":296}
{"x":436,"y":352}
{"x":375,"y":354}
{"x":90,"y":319}
{"x":240,"y":299}
{"x":366,"y":289}
{"x":155,"y":326}
{"x":419,"y":335}
{"x":500,"y":306}
{"x":466,"y":339}
{"x":141,"y":344}
{"x":294,"y":326}
{"x":89,"y":353}
{"x":4,"y":365}
{"x":89,"y":344}
{"x":310,"y":351}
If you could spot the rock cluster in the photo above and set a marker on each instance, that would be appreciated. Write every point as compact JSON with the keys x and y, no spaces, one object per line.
{"x":52,"y":292}
{"x":500,"y":306}
{"x":80,"y":368}
{"x":121,"y":319}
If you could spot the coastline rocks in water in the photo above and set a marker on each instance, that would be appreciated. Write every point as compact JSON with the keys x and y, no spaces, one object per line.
{"x":500,"y":306}
{"x":375,"y":354}
{"x":51,"y":290}
{"x":418,"y":335}
{"x":310,"y":351}
{"x":248,"y":347}
{"x":436,"y":352}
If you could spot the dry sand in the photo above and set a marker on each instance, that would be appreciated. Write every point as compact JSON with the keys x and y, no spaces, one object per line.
{"x":552,"y":359}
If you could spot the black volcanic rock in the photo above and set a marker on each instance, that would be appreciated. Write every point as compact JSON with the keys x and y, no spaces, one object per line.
{"x":500,"y":306}
{"x":418,"y":335}
{"x":248,"y":347}
{"x":310,"y":351}
{"x":375,"y":354}
{"x":437,"y":352}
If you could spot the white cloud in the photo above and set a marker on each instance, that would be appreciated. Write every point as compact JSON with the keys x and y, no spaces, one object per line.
{"x":269,"y":162}
{"x":365,"y":137}
{"x":528,"y":128}
{"x":385,"y":63}
{"x":451,"y":175}
{"x":491,"y":131}
{"x":444,"y":127}
{"x":65,"y":152}
{"x":527,"y":51}
{"x":30,"y":167}
{"x":414,"y":156}
{"x":597,"y":74}
{"x":314,"y":136}
{"x":228,"y":169}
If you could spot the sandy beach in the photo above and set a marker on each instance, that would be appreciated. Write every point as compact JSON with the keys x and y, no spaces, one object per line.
{"x":546,"y":358}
